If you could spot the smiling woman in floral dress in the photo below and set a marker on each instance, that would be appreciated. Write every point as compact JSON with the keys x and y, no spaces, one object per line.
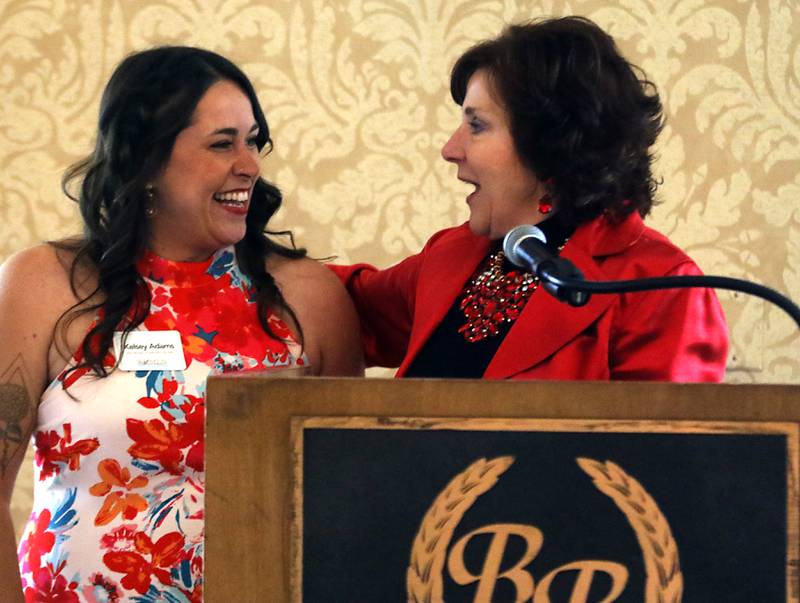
{"x":175,"y":257}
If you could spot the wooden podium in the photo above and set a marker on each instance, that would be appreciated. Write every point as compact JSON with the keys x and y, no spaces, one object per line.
{"x":362,"y":490}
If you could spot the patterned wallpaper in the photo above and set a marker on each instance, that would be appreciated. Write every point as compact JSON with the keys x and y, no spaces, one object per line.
{"x":356,"y":96}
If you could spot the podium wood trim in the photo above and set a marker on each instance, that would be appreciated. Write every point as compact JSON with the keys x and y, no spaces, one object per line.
{"x":249,"y":512}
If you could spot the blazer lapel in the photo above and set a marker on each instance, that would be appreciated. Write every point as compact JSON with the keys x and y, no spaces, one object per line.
{"x":440,"y":282}
{"x":546,"y":324}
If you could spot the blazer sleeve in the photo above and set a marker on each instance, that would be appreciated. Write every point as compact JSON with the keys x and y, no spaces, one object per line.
{"x":384,"y":300}
{"x":670,"y":334}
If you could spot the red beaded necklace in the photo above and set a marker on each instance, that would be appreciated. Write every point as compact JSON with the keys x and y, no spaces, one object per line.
{"x":493,"y":297}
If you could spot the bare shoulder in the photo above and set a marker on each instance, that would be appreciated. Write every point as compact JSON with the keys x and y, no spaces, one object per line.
{"x":311,"y":289}
{"x":34,"y":274}
{"x":33,"y":287}
{"x":36,"y":290}
{"x":305,"y":270}
{"x":41,"y":276}
{"x":325,"y":312}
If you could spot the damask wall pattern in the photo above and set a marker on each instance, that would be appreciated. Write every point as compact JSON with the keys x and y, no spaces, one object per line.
{"x":356,"y":94}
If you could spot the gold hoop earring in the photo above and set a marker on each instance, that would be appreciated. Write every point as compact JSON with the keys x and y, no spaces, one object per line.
{"x":150,"y":201}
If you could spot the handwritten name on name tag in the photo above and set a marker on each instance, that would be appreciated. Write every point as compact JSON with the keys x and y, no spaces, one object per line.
{"x":150,"y":351}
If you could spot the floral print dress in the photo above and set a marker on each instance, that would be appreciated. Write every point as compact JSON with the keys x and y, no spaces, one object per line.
{"x":118,"y":500}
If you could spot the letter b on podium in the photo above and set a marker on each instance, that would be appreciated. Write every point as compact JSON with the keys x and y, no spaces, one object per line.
{"x":521,"y":578}
{"x":523,"y":581}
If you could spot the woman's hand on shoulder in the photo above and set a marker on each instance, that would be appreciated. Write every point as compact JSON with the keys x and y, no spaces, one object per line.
{"x":326,"y":315}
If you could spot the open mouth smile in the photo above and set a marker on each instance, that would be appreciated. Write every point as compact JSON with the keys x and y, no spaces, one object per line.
{"x":237,"y":199}
{"x":475,"y":184}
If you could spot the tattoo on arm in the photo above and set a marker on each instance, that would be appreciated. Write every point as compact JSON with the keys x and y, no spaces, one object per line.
{"x":15,"y":405}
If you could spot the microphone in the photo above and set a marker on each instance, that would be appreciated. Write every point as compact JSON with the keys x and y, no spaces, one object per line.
{"x":526,"y":246}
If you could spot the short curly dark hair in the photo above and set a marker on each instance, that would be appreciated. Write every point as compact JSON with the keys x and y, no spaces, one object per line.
{"x":583,"y":118}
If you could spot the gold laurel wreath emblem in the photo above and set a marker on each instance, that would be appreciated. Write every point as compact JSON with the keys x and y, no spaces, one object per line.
{"x":424,"y":575}
{"x":664,"y":580}
{"x":662,"y":566}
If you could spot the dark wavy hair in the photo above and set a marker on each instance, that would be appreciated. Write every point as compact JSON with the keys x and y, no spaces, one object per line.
{"x":150,"y":98}
{"x":583,"y":119}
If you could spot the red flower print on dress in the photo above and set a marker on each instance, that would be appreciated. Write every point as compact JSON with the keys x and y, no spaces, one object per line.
{"x":148,"y":560}
{"x":196,"y":570}
{"x":68,"y":376}
{"x":194,"y":430}
{"x":236,"y":325}
{"x":168,"y":389}
{"x":161,"y":320}
{"x":155,"y":441}
{"x":51,"y":587}
{"x":193,"y":346}
{"x":280,"y":328}
{"x":196,"y":596}
{"x":54,"y":451}
{"x":101,"y":590}
{"x":119,"y":539}
{"x":39,"y":542}
{"x":117,"y":501}
{"x":278,"y":359}
{"x":199,"y":303}
{"x":187,"y":405}
{"x":159,"y":296}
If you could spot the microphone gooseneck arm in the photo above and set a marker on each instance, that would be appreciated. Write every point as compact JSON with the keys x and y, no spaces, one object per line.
{"x":569,"y":286}
{"x":524,"y":246}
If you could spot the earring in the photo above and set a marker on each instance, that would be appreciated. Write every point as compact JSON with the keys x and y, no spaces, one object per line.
{"x":150,"y":200}
{"x":545,"y":204}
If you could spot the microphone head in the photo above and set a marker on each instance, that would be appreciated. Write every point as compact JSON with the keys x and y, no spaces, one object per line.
{"x":515,"y":236}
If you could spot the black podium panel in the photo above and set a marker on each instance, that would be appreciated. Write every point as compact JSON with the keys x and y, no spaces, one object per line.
{"x":503,"y":510}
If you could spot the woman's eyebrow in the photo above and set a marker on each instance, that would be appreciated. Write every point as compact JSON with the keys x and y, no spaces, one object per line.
{"x":233,"y":131}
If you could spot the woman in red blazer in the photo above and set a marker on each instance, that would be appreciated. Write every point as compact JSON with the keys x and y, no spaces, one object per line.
{"x":556,"y":131}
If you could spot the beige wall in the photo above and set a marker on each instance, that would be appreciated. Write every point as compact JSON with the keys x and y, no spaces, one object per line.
{"x":356,"y":96}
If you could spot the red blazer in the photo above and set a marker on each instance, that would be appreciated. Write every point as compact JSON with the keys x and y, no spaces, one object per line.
{"x":664,"y":335}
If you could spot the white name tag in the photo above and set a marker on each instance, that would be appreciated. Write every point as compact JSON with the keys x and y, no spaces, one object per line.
{"x":150,"y":351}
